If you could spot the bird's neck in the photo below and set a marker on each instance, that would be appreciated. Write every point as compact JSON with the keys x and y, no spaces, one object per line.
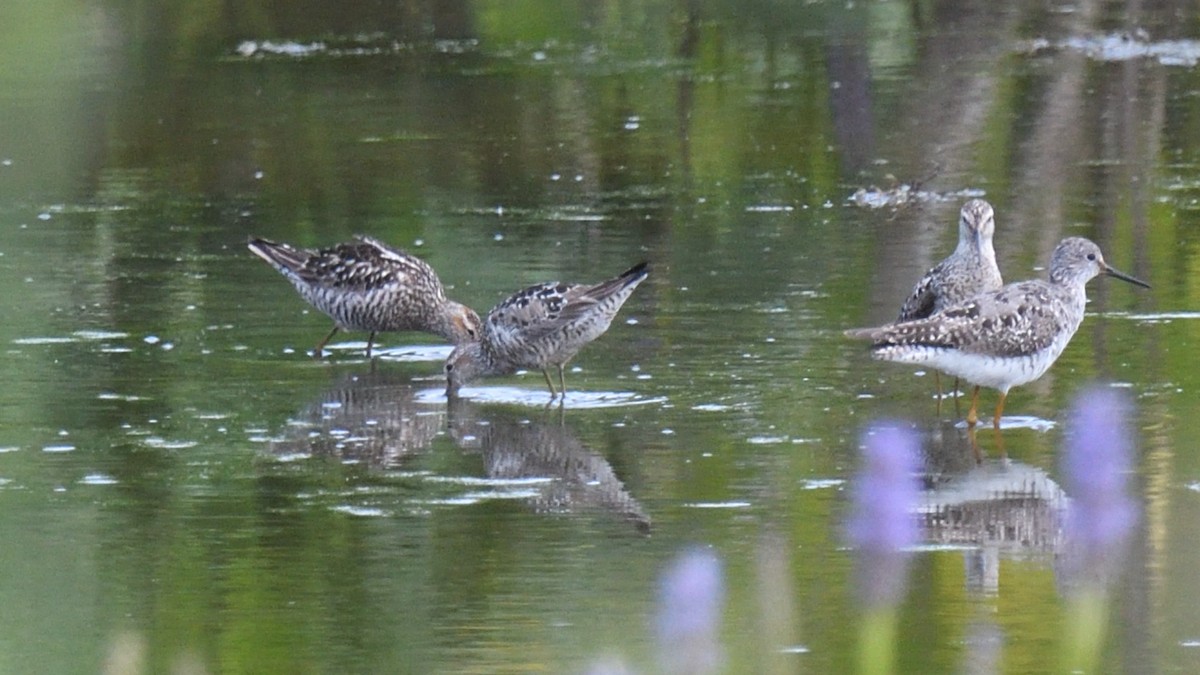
{"x":975,"y":246}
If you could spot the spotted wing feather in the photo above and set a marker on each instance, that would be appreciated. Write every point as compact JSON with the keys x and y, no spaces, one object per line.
{"x":366,"y":264}
{"x":531,"y":312}
{"x":1018,"y":320}
{"x":923,"y":299}
{"x":542,"y":310}
{"x":369,"y":264}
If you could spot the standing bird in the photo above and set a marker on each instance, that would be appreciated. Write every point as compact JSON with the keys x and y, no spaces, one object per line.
{"x":541,"y":326}
{"x":367,"y":285}
{"x":970,"y":270}
{"x":1004,"y":338}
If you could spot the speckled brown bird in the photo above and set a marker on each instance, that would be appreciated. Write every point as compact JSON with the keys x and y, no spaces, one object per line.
{"x":1002,"y":338}
{"x":542,"y":326}
{"x":971,"y":269}
{"x":366,"y":285}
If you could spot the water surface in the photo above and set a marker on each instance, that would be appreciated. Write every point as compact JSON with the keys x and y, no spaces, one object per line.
{"x":181,"y":480}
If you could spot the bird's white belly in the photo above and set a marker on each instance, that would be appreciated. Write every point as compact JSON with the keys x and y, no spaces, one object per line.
{"x":997,"y":372}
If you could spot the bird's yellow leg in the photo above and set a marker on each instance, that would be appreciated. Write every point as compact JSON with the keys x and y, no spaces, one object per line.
{"x":562,"y":380}
{"x":999,"y":410}
{"x":972,"y":416}
{"x":549,"y":383}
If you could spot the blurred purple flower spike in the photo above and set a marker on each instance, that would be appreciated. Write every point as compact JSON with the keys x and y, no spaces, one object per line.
{"x":886,"y":490}
{"x":882,"y":524}
{"x":1097,"y":463}
{"x":689,"y":613}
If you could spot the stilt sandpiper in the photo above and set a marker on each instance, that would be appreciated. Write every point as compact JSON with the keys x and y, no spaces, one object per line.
{"x":1004,"y":338}
{"x":367,"y":285}
{"x":541,"y":326}
{"x":971,"y":269}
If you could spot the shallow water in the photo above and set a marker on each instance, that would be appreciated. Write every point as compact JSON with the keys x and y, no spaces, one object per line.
{"x":181,"y":482}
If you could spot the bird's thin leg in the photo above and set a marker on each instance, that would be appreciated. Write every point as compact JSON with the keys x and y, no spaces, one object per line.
{"x":321,"y":345}
{"x":999,"y":410}
{"x":937,"y":383}
{"x":550,"y":384}
{"x":370,"y":342}
{"x":562,"y":381}
{"x":972,"y":416}
{"x":1000,"y":442}
{"x":974,"y":445}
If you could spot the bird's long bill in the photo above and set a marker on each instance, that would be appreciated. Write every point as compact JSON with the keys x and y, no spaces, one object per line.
{"x":1125,"y":277}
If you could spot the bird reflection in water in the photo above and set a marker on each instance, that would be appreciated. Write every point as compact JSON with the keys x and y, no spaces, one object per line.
{"x":380,"y":419}
{"x":515,"y":447}
{"x":992,"y":508}
{"x":372,"y":418}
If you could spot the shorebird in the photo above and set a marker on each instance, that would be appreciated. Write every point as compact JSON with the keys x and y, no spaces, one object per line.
{"x":539,"y":327}
{"x":366,"y":285}
{"x":971,"y":269}
{"x":1003,"y":338}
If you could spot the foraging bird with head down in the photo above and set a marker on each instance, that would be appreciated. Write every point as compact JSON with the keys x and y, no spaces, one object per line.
{"x":366,"y":285}
{"x":543,"y":327}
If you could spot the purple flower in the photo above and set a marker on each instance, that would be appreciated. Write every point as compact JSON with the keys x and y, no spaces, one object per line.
{"x":881,"y":524}
{"x":886,"y":490}
{"x":1097,"y":463}
{"x":689,"y":613}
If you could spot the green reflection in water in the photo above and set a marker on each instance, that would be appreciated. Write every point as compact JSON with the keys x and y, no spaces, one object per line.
{"x":721,"y":142}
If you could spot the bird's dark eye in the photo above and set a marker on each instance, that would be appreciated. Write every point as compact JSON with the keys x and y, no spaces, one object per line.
{"x":449,"y":367}
{"x":1092,"y":256}
{"x":471,"y":333}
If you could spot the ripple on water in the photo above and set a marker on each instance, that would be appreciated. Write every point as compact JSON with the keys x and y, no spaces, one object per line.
{"x":768,"y":440}
{"x":77,"y":336}
{"x":712,"y":407}
{"x":794,"y":649}
{"x":97,"y":479}
{"x":541,"y":397}
{"x":360,"y":511}
{"x":44,"y":340}
{"x":469,"y":498}
{"x":1155,"y":317}
{"x":821,"y":483}
{"x":413,"y":353}
{"x":99,"y":334}
{"x":402,"y":353}
{"x":113,"y":396}
{"x":157,"y":442}
{"x":491,"y":482}
{"x":1018,"y":422}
